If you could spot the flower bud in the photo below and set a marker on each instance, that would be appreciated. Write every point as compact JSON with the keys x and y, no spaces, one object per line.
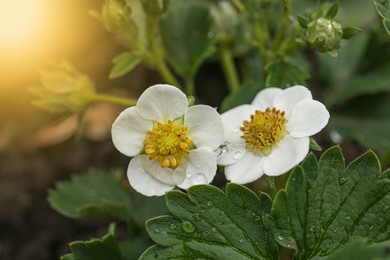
{"x":63,"y":89}
{"x":324,"y":34}
{"x":226,"y":20}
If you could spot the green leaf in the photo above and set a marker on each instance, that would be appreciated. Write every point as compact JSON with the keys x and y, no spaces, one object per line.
{"x":332,"y":12}
{"x":325,"y":205}
{"x":244,"y":95}
{"x":367,"y":126}
{"x":359,"y":249}
{"x":186,"y":31}
{"x":303,"y":21}
{"x":314,"y":145}
{"x":124,"y":63}
{"x":95,"y":249}
{"x":284,"y":74}
{"x":383,"y":9}
{"x":96,"y":192}
{"x":209,"y":224}
{"x":350,"y":31}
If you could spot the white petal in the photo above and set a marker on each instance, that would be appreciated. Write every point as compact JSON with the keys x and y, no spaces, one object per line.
{"x":153,"y":168}
{"x":290,"y":97}
{"x":307,"y":118}
{"x":205,"y":127}
{"x":265,"y":98}
{"x":249,"y":169}
{"x":230,"y":153}
{"x":128,"y":132}
{"x":162,"y":102}
{"x":143,"y":182}
{"x":232,"y":121}
{"x":288,"y":153}
{"x":201,"y":168}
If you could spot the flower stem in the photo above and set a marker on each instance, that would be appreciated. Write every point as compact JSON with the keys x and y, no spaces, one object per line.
{"x":166,"y":74}
{"x":229,"y":68}
{"x":127,"y":102}
{"x":283,"y":26}
{"x":190,"y":87}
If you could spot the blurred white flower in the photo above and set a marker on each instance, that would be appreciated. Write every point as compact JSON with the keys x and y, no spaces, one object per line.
{"x":271,"y":135}
{"x":172,"y":144}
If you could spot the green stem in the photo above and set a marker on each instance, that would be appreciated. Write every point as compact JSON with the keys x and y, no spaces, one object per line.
{"x":127,"y":102}
{"x":166,"y":74}
{"x":283,"y":26}
{"x":190,"y":87}
{"x":239,"y":5}
{"x":229,"y":68}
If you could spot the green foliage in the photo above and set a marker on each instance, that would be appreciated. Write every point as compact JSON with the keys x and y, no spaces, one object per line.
{"x":99,"y":192}
{"x":124,"y":63}
{"x":93,"y":193}
{"x":244,"y":95}
{"x":333,"y":10}
{"x":96,"y":249}
{"x":359,"y":249}
{"x":383,"y":9}
{"x":350,"y":31}
{"x":209,"y":224}
{"x":325,"y":205}
{"x":186,"y":31}
{"x":282,"y":74}
{"x":357,"y":89}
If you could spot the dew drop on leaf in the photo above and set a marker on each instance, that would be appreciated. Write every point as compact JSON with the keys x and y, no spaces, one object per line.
{"x":206,"y":233}
{"x":188,"y":227}
{"x":241,"y":240}
{"x":280,"y":238}
{"x":343,"y":181}
{"x":348,"y":217}
{"x":156,"y":230}
{"x":209,"y":203}
{"x":196,"y":217}
{"x":214,"y":230}
{"x":172,"y":226}
{"x":312,"y":228}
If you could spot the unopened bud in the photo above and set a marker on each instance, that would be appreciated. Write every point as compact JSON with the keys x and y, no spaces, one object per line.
{"x":226,"y":21}
{"x":324,"y":34}
{"x":63,"y":89}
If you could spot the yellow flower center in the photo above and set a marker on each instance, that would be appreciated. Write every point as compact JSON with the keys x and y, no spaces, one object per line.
{"x":264,"y":130}
{"x":168,"y":143}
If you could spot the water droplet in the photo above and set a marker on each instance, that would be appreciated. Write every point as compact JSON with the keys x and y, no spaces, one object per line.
{"x":196,"y":217}
{"x":188,"y":226}
{"x":209,"y":203}
{"x":172,"y":226}
{"x":241,"y":240}
{"x":257,"y":218}
{"x":280,"y":237}
{"x":237,"y":155}
{"x":312,"y":228}
{"x":343,"y":181}
{"x":156,"y":230}
{"x":214,"y":230}
{"x":217,"y":152}
{"x":348,"y":217}
{"x":205,"y":233}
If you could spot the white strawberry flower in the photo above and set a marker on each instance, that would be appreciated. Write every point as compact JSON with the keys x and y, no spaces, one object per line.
{"x":271,"y":135}
{"x":171,"y":144}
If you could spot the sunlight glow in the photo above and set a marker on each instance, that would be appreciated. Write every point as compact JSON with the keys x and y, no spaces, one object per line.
{"x":20,"y":22}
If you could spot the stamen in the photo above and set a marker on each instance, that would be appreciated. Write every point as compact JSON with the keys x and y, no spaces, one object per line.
{"x":264,"y":129}
{"x":168,"y":143}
